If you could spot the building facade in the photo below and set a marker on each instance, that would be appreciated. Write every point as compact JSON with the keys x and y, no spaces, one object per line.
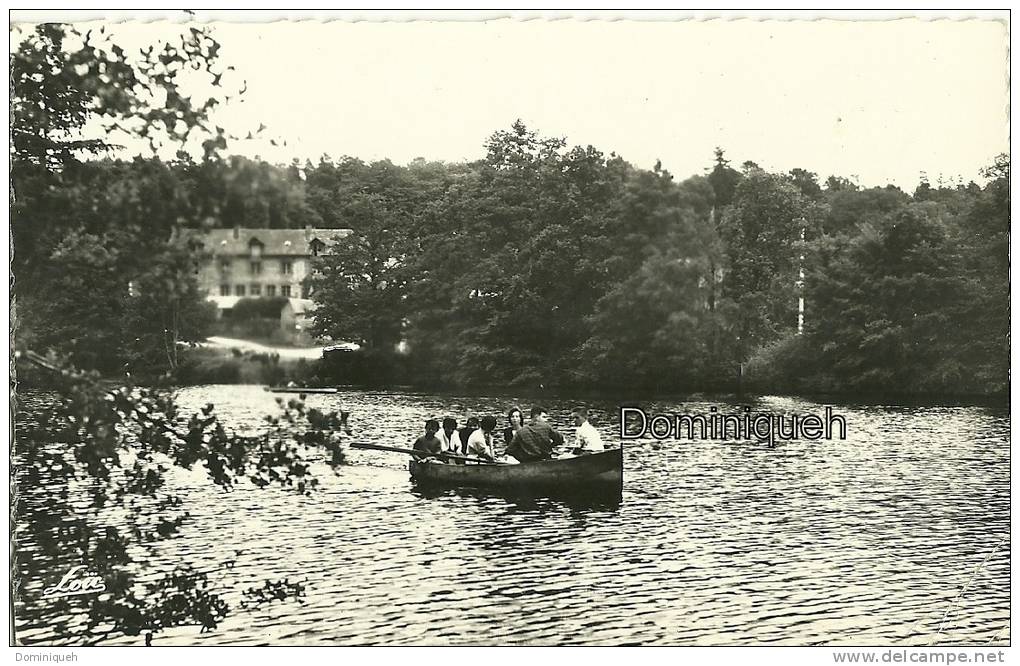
{"x":263,"y":263}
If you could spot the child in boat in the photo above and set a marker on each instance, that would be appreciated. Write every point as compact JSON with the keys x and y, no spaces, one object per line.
{"x":428,"y":443}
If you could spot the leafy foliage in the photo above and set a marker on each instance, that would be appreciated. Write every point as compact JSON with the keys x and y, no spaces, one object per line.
{"x":121,"y":442}
{"x":258,"y":308}
{"x":546,"y":264}
{"x":359,"y":284}
{"x":910,"y":305}
{"x":724,"y":179}
{"x":903,"y":296}
{"x":105,"y":277}
{"x":102,"y":276}
{"x":61,"y":79}
{"x":761,"y":231}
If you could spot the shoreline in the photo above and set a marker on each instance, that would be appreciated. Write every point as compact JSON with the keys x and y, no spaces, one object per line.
{"x":625,"y":397}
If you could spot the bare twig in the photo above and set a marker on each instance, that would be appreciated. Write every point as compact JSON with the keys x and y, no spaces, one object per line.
{"x":963,"y":590}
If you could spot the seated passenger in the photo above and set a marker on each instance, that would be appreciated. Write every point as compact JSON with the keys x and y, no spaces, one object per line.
{"x":535,"y":440}
{"x":516,"y":418}
{"x":428,"y":443}
{"x":449,"y":437}
{"x":465,"y":433}
{"x":586,"y":437}
{"x":479,"y":444}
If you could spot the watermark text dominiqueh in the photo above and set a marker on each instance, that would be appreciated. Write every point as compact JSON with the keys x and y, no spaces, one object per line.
{"x":761,"y":426}
{"x":75,"y":582}
{"x":37,"y":657}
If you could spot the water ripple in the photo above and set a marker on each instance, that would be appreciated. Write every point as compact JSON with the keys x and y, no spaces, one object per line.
{"x":863,"y":541}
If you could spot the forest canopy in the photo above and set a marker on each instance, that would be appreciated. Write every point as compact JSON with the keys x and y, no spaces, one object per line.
{"x":540,"y":263}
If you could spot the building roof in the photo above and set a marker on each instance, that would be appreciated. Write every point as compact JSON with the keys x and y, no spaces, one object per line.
{"x":236,"y":241}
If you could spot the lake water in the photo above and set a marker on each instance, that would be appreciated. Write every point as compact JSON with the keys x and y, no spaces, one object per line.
{"x":898,"y":535}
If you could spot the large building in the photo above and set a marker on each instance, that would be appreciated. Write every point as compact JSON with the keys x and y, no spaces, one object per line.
{"x":262,"y":263}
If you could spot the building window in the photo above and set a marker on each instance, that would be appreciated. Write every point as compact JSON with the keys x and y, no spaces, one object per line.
{"x":287,"y":267}
{"x":256,"y":290}
{"x":305,"y":291}
{"x":270,"y":290}
{"x":256,"y":268}
{"x":285,"y":291}
{"x":224,"y":290}
{"x":239,"y":290}
{"x":225,"y":265}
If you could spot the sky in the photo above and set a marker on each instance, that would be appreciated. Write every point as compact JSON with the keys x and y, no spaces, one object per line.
{"x":877,"y":101}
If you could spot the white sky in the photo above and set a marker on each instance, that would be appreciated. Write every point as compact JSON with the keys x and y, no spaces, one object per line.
{"x":882,"y":101}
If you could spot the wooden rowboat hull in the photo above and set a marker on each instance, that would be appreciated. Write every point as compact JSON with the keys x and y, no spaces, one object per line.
{"x":596,"y":470}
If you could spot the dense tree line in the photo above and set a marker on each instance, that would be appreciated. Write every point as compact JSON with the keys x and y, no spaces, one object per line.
{"x":538,"y":264}
{"x":545,"y":264}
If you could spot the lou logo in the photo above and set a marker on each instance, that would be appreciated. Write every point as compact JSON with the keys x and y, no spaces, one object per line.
{"x":76,"y":581}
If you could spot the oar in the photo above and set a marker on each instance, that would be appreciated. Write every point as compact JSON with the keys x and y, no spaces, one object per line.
{"x":412,"y":452}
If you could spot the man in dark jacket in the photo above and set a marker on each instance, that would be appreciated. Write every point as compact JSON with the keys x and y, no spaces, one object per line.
{"x":535,"y":440}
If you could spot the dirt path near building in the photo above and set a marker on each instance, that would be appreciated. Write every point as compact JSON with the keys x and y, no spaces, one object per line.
{"x":285,"y":353}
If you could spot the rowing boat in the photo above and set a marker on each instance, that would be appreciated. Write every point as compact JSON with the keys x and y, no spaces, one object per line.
{"x":594,"y":470}
{"x":298,"y":389}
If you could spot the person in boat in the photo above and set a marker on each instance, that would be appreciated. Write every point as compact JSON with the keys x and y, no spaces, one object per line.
{"x":428,"y":443}
{"x":586,"y":437}
{"x":465,"y":433}
{"x":479,"y":444}
{"x":516,"y":418}
{"x":449,"y":437}
{"x":535,"y":440}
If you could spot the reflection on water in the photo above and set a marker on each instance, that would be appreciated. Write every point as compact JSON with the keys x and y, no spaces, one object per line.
{"x":865,"y":541}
